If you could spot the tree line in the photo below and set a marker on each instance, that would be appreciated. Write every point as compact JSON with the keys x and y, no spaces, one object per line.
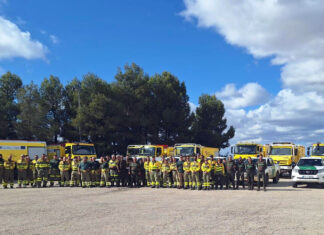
{"x":133,"y":109}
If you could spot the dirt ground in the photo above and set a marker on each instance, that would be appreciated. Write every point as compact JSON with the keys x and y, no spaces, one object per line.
{"x":280,"y":210}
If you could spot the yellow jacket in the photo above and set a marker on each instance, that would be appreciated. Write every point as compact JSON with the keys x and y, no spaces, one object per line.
{"x":173,"y":166}
{"x":147,"y":166}
{"x":219,"y":168}
{"x":195,"y":166}
{"x":22,"y":164}
{"x":186,"y":166}
{"x":206,"y":167}
{"x":166,"y":168}
{"x":154,"y":166}
{"x":75,"y":165}
{"x":64,"y":166}
{"x":40,"y":164}
{"x":9,"y":165}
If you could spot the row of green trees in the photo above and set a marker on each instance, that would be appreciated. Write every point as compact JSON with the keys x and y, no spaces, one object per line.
{"x":134,"y":109}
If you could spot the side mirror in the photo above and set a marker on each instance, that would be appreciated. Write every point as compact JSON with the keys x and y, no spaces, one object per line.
{"x":232,"y":150}
{"x":308,"y":151}
{"x":278,"y":162}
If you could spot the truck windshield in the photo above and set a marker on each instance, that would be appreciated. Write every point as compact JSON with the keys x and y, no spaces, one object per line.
{"x":83,"y":150}
{"x":185,"y":151}
{"x":310,"y":162}
{"x":280,"y":151}
{"x":318,"y":151}
{"x":133,"y":151}
{"x":148,"y":151}
{"x":245,"y":149}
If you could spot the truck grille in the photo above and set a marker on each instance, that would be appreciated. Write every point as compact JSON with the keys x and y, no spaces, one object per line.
{"x":307,"y":172}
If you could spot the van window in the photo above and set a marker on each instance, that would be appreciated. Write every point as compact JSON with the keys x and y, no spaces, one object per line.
{"x":198,"y":150}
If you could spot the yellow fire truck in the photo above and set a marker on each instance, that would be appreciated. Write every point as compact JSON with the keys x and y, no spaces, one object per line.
{"x":73,"y":149}
{"x":134,"y":150}
{"x":18,"y":147}
{"x":191,"y":149}
{"x":316,"y":150}
{"x":248,"y":149}
{"x":287,"y":154}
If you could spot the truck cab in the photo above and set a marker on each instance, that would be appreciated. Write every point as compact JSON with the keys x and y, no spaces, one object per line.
{"x":134,"y":150}
{"x":248,"y":149}
{"x":191,"y":149}
{"x":287,"y":154}
{"x":80,"y":149}
{"x":316,"y":150}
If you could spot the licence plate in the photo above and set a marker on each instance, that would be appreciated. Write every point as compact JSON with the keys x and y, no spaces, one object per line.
{"x":307,"y":177}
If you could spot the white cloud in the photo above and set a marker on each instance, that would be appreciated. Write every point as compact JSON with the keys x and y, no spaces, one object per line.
{"x":16,"y":43}
{"x":193,"y":107}
{"x":291,"y":33}
{"x":54,"y":39}
{"x":250,"y":94}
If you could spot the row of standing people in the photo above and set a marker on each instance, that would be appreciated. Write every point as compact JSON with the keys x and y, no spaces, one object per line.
{"x":194,"y":172}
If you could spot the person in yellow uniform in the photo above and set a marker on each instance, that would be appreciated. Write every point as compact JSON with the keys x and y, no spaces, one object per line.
{"x":166,"y":173}
{"x":75,"y":176}
{"x":155,"y":168}
{"x":147,"y":171}
{"x":212,"y":163}
{"x":195,"y":171}
{"x":174,"y":173}
{"x":42,"y":167}
{"x":219,"y":174}
{"x":33,"y":168}
{"x":1,"y":169}
{"x":22,"y":166}
{"x":9,"y":167}
{"x":64,"y":167}
{"x":187,"y":173}
{"x":206,"y":169}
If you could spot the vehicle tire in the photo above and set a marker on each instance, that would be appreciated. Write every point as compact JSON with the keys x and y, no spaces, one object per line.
{"x":322,"y":185}
{"x":294,"y":185}
{"x":276,"y":179}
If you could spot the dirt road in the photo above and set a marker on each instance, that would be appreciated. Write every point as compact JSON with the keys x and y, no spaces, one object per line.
{"x":280,"y":210}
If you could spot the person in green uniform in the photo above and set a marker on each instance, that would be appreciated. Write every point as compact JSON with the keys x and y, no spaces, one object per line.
{"x":230,"y":173}
{"x":54,"y":172}
{"x":133,"y":172}
{"x":84,"y":170}
{"x":180,"y":172}
{"x":261,"y":165}
{"x":240,"y":173}
{"x":250,"y":169}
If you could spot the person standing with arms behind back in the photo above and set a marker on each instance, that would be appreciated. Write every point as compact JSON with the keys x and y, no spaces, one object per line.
{"x":9,"y":167}
{"x":180,"y":172}
{"x":54,"y":172}
{"x":250,"y":168}
{"x":261,"y":165}
{"x":42,"y":167}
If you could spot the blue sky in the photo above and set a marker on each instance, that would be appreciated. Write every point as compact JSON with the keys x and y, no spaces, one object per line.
{"x":263,"y":59}
{"x":99,"y":36}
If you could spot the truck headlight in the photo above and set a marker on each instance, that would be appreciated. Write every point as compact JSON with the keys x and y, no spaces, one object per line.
{"x":321,"y":171}
{"x":295,"y":171}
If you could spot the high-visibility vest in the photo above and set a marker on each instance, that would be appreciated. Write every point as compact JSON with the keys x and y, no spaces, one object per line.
{"x":186,"y":166}
{"x":206,"y":167}
{"x":195,"y":166}
{"x":75,"y":166}
{"x":9,"y":165}
{"x":147,"y":165}
{"x":112,"y":164}
{"x":22,"y":165}
{"x":219,"y":168}
{"x":155,"y":166}
{"x":166,"y":167}
{"x":40,"y":164}
{"x":212,"y":164}
{"x":1,"y":163}
{"x":173,"y":166}
{"x":64,"y":166}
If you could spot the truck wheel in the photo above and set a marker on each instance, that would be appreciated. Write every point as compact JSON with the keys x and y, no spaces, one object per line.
{"x":276,"y":179}
{"x":294,"y":185}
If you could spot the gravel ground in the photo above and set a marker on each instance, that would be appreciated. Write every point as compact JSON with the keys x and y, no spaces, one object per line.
{"x":280,"y":210}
